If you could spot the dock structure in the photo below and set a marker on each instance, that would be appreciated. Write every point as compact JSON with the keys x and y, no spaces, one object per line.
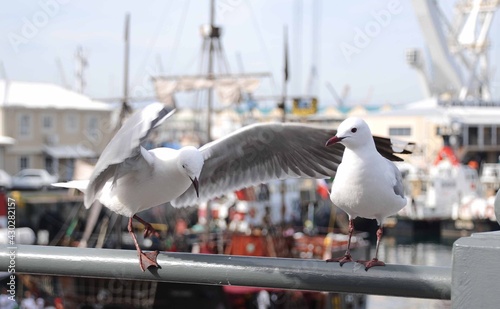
{"x":470,"y":282}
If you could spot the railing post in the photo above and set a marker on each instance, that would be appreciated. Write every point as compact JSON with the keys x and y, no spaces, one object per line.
{"x":476,"y":271}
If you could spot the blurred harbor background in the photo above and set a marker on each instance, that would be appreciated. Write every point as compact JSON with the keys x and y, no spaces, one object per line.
{"x":421,"y":71}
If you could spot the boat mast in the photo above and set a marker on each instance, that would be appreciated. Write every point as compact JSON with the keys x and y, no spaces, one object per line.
{"x":125,"y":110}
{"x":282,"y":106}
{"x":211,"y":35}
{"x":125,"y":104}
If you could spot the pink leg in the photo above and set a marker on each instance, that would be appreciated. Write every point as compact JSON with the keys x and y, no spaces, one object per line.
{"x":145,"y":259}
{"x":347,"y":256}
{"x":374,"y":261}
{"x":148,"y":228}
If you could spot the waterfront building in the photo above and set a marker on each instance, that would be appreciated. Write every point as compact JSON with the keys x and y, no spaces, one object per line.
{"x":49,"y":127}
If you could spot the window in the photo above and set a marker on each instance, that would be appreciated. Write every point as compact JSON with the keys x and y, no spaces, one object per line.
{"x":24,"y":162}
{"x":72,"y":122}
{"x":49,"y":165}
{"x":92,"y":127}
{"x":24,"y":125}
{"x":473,"y":135}
{"x":48,"y":123}
{"x":488,"y":135}
{"x":69,"y":169}
{"x":400,"y":131}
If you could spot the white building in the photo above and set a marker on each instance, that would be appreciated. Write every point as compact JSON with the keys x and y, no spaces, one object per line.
{"x":47,"y":126}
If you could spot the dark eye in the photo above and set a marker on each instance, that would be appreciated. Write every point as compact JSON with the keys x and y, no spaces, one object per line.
{"x":353,"y":130}
{"x":183,"y":166}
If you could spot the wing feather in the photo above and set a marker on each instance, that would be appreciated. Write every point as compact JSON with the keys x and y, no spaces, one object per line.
{"x":124,"y":147}
{"x":262,"y":152}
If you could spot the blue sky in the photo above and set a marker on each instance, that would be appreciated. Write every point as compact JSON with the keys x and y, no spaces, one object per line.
{"x":376,"y":74}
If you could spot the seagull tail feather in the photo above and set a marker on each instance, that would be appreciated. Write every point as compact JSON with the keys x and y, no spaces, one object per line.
{"x":80,"y":185}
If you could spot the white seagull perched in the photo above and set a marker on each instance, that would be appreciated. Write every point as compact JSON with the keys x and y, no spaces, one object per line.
{"x":366,"y":184}
{"x":129,"y":179}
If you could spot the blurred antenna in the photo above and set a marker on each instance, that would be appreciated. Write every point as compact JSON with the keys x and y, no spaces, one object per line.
{"x":81,"y":65}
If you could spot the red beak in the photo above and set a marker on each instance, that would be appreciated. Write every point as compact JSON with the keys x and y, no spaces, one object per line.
{"x":333,"y":140}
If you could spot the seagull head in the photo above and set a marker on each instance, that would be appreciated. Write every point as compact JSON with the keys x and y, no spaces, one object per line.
{"x":352,"y":133}
{"x":191,"y":162}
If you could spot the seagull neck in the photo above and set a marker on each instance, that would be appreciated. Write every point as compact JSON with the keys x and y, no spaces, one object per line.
{"x":362,"y":150}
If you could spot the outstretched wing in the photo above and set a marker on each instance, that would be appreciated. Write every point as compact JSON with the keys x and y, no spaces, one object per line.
{"x":262,"y":152}
{"x":124,"y":148}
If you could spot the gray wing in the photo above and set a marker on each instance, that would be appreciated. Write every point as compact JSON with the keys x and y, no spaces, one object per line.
{"x":262,"y":152}
{"x":398,"y":187}
{"x":123,"y":152}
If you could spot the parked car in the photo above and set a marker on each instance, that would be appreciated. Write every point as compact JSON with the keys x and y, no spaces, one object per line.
{"x":5,"y":181}
{"x":33,"y":179}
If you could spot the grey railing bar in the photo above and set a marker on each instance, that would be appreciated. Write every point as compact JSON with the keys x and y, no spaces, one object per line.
{"x":300,"y":274}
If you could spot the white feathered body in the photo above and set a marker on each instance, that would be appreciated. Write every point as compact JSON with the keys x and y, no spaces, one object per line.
{"x":147,"y":186}
{"x":358,"y":190}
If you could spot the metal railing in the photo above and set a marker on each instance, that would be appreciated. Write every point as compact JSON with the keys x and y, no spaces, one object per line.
{"x":282,"y":273}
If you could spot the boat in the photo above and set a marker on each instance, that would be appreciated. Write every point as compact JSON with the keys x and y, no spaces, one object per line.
{"x":447,"y":201}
